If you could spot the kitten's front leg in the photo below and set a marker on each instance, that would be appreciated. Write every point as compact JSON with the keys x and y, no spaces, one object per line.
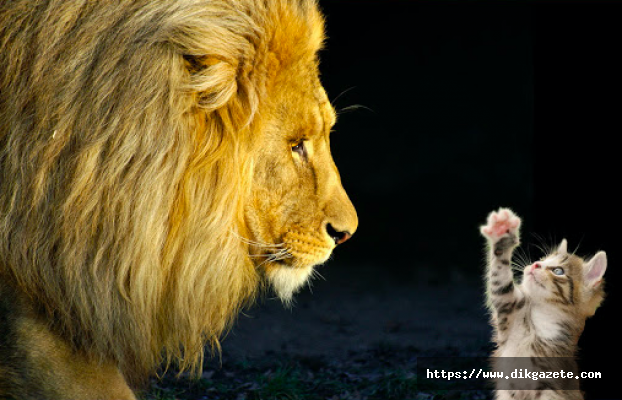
{"x":502,"y":234}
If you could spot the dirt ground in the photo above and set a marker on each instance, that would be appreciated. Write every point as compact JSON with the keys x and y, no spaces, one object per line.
{"x":355,"y":309}
{"x":354,"y":335}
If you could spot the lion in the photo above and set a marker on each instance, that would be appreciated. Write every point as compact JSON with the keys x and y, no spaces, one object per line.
{"x":162,"y":163}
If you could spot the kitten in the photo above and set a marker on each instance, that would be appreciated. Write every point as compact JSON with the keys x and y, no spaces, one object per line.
{"x":542,"y":317}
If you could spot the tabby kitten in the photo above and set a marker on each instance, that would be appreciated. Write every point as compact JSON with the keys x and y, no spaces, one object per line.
{"x":541,"y":318}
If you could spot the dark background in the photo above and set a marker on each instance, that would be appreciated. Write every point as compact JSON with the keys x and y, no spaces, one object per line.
{"x":450,"y":109}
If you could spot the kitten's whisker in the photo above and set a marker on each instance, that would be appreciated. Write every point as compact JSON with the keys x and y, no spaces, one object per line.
{"x":542,"y":244}
{"x":522,"y":259}
{"x":577,"y":246}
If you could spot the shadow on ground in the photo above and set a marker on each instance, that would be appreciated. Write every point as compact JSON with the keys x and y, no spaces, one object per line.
{"x":356,"y":334}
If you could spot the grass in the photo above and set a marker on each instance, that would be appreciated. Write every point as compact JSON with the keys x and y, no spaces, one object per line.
{"x":375,"y":375}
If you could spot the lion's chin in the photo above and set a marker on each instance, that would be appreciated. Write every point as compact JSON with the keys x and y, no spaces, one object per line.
{"x":287,"y":280}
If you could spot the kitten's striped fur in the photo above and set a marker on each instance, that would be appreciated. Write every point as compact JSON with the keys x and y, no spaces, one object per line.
{"x":542,"y":317}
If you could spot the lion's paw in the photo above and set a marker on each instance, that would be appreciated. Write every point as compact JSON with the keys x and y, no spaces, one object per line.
{"x":500,"y":224}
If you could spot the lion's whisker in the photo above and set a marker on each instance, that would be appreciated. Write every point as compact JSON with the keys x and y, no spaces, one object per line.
{"x":260,"y":255}
{"x":353,"y":107}
{"x":256,"y":243}
{"x":315,"y":273}
{"x":150,"y":206}
{"x":341,"y":94}
{"x":280,"y":253}
{"x":283,"y":255}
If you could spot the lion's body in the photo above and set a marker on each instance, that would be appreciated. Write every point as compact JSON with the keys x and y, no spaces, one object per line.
{"x":138,"y":190}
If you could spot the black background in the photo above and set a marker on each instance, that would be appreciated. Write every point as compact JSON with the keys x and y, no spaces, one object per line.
{"x":450,"y":109}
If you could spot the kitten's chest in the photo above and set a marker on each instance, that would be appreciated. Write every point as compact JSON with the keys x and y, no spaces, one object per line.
{"x":515,"y":340}
{"x":532,"y":332}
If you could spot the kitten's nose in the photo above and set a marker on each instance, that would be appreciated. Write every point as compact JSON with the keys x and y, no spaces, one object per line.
{"x":536,"y":266}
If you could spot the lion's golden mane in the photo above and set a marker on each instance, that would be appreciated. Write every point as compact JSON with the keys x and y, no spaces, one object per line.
{"x":124,"y":135}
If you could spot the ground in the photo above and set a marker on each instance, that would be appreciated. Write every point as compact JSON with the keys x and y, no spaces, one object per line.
{"x":356,"y":334}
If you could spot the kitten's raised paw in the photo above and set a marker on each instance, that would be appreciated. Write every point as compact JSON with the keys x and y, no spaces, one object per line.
{"x":501,"y":223}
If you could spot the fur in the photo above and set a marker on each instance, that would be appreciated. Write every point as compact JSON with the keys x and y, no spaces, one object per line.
{"x":121,"y":211}
{"x":537,"y":323}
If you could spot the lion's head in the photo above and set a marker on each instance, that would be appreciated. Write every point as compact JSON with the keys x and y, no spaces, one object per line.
{"x":158,"y":161}
{"x":297,"y":210}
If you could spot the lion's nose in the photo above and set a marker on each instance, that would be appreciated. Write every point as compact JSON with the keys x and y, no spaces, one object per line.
{"x":338,"y":237}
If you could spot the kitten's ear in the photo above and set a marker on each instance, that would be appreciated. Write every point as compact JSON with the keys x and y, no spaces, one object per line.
{"x":594,"y":269}
{"x":563,"y":247}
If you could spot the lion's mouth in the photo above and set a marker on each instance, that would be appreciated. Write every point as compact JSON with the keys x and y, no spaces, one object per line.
{"x":286,"y":277}
{"x":294,"y":251}
{"x":291,"y":265}
{"x":279,"y":253}
{"x":284,"y":259}
{"x":289,"y":262}
{"x":307,"y":249}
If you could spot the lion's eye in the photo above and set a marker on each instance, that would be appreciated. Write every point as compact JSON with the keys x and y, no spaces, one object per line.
{"x":558,"y":271}
{"x":300,"y":149}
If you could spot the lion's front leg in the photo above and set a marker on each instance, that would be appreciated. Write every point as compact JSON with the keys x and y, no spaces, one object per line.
{"x":37,"y":364}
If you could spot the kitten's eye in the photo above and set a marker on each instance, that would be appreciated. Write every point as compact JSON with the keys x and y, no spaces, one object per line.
{"x":299,"y":147}
{"x":558,"y":271}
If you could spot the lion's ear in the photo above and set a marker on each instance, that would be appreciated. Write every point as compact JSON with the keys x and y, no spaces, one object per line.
{"x":198,"y":63}
{"x":212,"y":80}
